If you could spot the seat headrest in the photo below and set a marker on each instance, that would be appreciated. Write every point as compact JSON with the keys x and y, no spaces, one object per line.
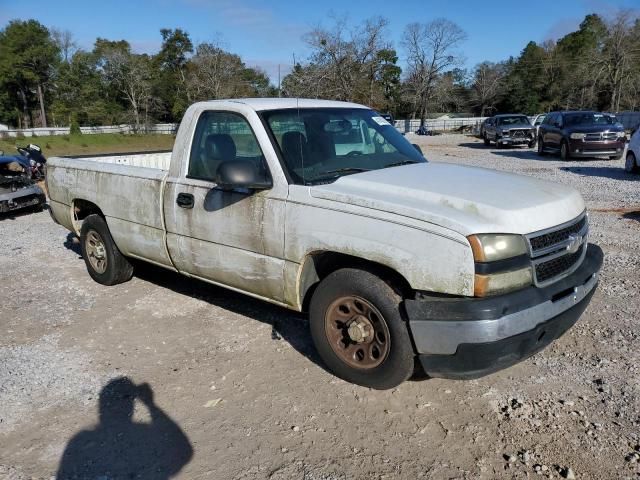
{"x":220,"y":146}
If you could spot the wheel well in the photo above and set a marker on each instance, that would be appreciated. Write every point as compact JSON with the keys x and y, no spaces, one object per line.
{"x":81,"y":210}
{"x":319,"y":265}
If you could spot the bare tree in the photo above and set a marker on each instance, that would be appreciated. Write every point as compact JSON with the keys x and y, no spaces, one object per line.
{"x":619,"y":50}
{"x":487,"y":86}
{"x":431,"y":49}
{"x":65,"y":42}
{"x":347,"y":63}
{"x":131,"y":74}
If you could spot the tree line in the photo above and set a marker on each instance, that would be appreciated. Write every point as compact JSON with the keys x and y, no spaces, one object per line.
{"x":46,"y":79}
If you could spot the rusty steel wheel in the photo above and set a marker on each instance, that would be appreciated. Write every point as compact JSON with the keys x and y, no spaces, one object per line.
{"x":357,"y":332}
{"x":105,"y":263}
{"x":358,"y":328}
{"x":96,"y":253}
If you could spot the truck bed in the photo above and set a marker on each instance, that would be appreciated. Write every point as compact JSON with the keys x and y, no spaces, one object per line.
{"x":128,"y":188}
{"x":155,"y":160}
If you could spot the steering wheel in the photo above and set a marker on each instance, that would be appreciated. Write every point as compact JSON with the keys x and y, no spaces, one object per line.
{"x":353,"y":153}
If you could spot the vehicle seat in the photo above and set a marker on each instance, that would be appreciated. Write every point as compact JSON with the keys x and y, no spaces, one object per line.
{"x":218,"y":148}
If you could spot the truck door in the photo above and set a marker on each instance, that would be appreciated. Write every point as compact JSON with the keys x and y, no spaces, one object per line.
{"x":229,"y":237}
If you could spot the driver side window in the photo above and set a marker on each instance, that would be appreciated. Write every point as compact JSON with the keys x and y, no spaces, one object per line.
{"x":222,"y":137}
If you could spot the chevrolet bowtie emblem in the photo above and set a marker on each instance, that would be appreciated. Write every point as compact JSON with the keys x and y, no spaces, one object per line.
{"x":575,"y":241}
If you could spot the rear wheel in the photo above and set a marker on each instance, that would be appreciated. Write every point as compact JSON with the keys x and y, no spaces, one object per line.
{"x":631,"y":164}
{"x":105,"y":263}
{"x":358,"y":329}
{"x":564,"y":150}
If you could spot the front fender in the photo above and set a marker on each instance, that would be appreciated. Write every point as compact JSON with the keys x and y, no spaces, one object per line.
{"x":430,"y":258}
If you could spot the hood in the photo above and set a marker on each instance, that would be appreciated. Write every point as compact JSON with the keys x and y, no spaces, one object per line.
{"x":463,"y":199}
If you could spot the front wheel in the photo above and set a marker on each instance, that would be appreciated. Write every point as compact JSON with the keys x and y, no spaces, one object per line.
{"x":486,"y":139}
{"x":105,"y":263}
{"x":564,"y":150}
{"x":631,"y":164}
{"x":541,"y":151}
{"x":358,"y":329}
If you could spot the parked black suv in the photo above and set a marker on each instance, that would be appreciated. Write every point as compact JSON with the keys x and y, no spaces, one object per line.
{"x":581,"y":134}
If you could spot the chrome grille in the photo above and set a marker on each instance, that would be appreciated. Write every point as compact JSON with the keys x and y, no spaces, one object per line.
{"x":547,"y":240}
{"x":555,"y":267}
{"x":598,"y":137}
{"x":518,"y":133}
{"x":557,"y":252}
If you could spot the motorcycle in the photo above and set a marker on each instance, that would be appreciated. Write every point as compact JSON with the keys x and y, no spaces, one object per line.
{"x":36,"y":160}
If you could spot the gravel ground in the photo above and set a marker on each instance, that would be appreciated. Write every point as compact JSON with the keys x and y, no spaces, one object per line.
{"x":236,"y":391}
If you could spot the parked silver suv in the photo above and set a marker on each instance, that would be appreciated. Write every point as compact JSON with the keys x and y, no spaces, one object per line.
{"x":509,"y":129}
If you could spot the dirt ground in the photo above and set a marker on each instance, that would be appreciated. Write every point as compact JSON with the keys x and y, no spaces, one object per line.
{"x":235,"y":391}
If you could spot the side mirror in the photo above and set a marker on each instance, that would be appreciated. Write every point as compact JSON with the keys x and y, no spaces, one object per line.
{"x":417,"y":147}
{"x":241,"y":174}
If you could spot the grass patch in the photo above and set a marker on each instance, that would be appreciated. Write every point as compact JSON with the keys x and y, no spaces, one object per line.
{"x":58,"y":145}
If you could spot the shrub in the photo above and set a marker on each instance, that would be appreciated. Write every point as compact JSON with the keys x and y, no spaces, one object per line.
{"x":75,"y":128}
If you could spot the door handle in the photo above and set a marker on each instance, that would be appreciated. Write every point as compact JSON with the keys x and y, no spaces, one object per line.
{"x":185,"y":200}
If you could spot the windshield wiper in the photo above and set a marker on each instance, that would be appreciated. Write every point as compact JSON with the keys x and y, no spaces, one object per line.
{"x":334,"y":174}
{"x":398,"y":164}
{"x":348,"y":169}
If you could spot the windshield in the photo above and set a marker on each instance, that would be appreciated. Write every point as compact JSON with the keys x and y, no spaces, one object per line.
{"x":539,"y":120}
{"x":513,"y":120}
{"x":319,"y":145}
{"x":589,"y":118}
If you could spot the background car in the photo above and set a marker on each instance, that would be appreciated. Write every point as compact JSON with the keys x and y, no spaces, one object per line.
{"x":632,"y":162}
{"x":581,"y":134}
{"x":509,"y":129}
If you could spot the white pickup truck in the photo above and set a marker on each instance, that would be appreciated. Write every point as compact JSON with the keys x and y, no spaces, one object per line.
{"x":324,"y":207}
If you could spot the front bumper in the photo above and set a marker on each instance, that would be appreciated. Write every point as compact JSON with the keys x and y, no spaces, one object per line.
{"x":580,"y":148}
{"x":466,"y":337}
{"x":22,"y":198}
{"x":514,"y":140}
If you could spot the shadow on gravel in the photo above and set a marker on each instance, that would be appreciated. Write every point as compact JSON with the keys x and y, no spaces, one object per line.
{"x":615,"y":173}
{"x":118,"y":447}
{"x":522,"y":155}
{"x":632,"y":215}
{"x":73,"y":243}
{"x":287,"y":325}
{"x":23,"y":212}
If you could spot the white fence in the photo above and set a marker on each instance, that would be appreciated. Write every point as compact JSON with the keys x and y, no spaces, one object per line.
{"x":441,"y":124}
{"x":630,"y":120}
{"x":160,"y":128}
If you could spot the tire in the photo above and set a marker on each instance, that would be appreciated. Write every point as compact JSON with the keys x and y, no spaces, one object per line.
{"x":540,"y":150}
{"x":334,"y":311}
{"x":105,"y":263}
{"x":486,"y":139}
{"x":631,"y":163}
{"x":498,"y":144}
{"x":564,"y":150}
{"x":531,"y":144}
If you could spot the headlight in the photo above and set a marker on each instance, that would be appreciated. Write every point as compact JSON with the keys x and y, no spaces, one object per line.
{"x":622,"y":134}
{"x":491,"y":247}
{"x":578,"y":136}
{"x":495,"y":273}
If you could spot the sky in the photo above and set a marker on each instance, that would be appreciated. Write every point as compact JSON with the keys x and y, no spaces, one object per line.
{"x":268,"y":34}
